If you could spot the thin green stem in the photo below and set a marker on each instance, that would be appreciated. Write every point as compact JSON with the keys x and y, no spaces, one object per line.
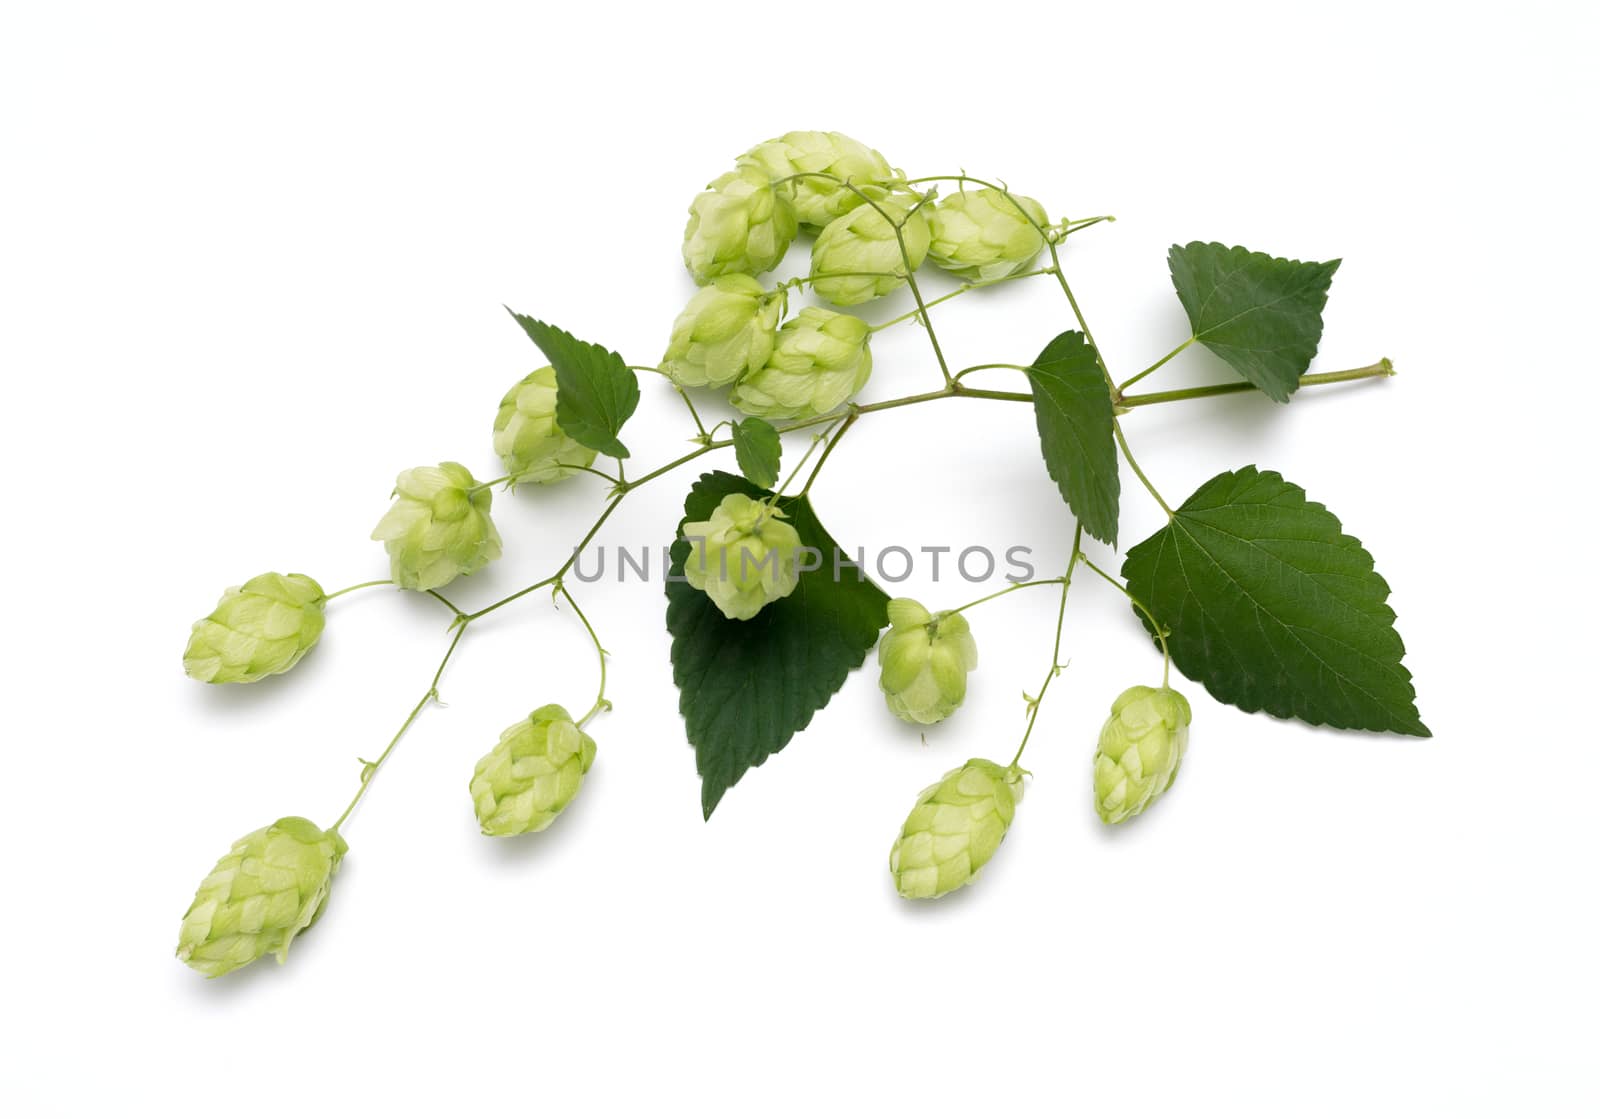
{"x":683,"y":395}
{"x":613,"y":479}
{"x":358,"y":587}
{"x":453,"y":608}
{"x":802,"y":281}
{"x":1055,"y":653}
{"x":970,"y":285}
{"x":1127,"y":453}
{"x":794,"y":471}
{"x":1160,"y":630}
{"x":1142,"y":374}
{"x":1382,"y":368}
{"x":849,"y":419}
{"x":600,"y":701}
{"x":1003,"y":593}
{"x":991,"y":365}
{"x":490,"y":484}
{"x":429,"y":696}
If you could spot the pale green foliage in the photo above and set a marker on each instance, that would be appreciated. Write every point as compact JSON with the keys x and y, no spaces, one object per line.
{"x":259,"y":629}
{"x":728,"y":330}
{"x":983,"y":235}
{"x":438,"y":527}
{"x":955,"y":828}
{"x":263,"y":893}
{"x":739,"y":223}
{"x":527,"y":437}
{"x":821,"y":359}
{"x":923,"y":661}
{"x":864,"y":241}
{"x":1141,"y":747}
{"x":818,"y":200}
{"x":532,"y":773}
{"x":744,"y":557}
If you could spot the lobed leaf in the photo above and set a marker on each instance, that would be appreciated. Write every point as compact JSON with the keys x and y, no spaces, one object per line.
{"x":596,"y":392}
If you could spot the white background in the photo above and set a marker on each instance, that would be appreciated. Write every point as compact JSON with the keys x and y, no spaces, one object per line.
{"x":253,"y":265}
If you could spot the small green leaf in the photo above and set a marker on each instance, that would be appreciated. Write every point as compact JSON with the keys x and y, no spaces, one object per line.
{"x":1072,"y":406}
{"x":596,"y":392}
{"x":745,"y":688}
{"x":1273,"y":608}
{"x":757,"y":447}
{"x":1261,"y":314}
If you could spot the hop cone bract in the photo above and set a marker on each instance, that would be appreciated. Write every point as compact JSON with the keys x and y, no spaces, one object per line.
{"x":727,"y":330}
{"x":438,"y":527}
{"x":817,"y":201}
{"x":821,"y":359}
{"x":527,"y":437}
{"x":924,"y":660}
{"x":265,"y":892}
{"x":739,"y":223}
{"x":863,"y":241}
{"x":259,"y":629}
{"x":532,"y":773}
{"x":955,"y":828}
{"x":1141,"y":747}
{"x":744,"y":557}
{"x":982,"y":235}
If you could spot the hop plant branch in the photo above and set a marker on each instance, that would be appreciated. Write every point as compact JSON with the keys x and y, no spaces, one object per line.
{"x":1055,"y":651}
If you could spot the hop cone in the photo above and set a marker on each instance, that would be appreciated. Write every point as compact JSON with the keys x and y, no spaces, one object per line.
{"x":727,"y":330}
{"x":257,"y":630}
{"x":817,"y":201}
{"x":532,"y":774}
{"x":527,"y":437}
{"x":1141,"y":747}
{"x":739,"y":223}
{"x":863,"y":240}
{"x":744,"y":557}
{"x":924,"y":661}
{"x":265,"y":892}
{"x":955,"y":828}
{"x":438,"y":527}
{"x":821,"y":360}
{"x":981,"y":234}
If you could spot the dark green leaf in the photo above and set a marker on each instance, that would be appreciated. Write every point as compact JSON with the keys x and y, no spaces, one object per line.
{"x":745,"y":688}
{"x":596,"y":392}
{"x":1261,"y":314}
{"x":1072,"y":406}
{"x":757,"y":447}
{"x":1274,"y":609}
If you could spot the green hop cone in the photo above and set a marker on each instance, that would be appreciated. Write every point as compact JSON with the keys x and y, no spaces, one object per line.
{"x":739,"y":223}
{"x":257,"y":630}
{"x":982,"y":235}
{"x":438,"y":527}
{"x":744,"y":557}
{"x":265,"y":892}
{"x":924,"y":660}
{"x":817,"y":200}
{"x":863,"y":241}
{"x":527,"y":437}
{"x":532,"y":773}
{"x":955,"y":828}
{"x":1141,"y":747}
{"x":728,"y":330}
{"x":821,"y":359}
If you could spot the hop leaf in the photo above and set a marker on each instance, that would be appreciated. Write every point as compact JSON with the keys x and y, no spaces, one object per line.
{"x":527,"y":438}
{"x":728,"y":329}
{"x":259,"y":629}
{"x":924,"y":660}
{"x":1141,"y":747}
{"x":983,"y":235}
{"x":822,"y":358}
{"x":817,"y":200}
{"x":533,"y":773}
{"x":266,"y":891}
{"x":955,"y":828}
{"x":864,"y":241}
{"x":744,"y":557}
{"x":438,"y":527}
{"x":739,"y":223}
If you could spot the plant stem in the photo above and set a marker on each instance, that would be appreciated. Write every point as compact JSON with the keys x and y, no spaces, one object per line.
{"x":358,"y":587}
{"x":969,"y":285}
{"x":427,"y":697}
{"x":828,"y":450}
{"x":1127,"y":453}
{"x":1002,"y":593}
{"x":1160,"y":630}
{"x":1055,"y":654}
{"x":1142,"y":374}
{"x":1381,"y":368}
{"x":600,"y":701}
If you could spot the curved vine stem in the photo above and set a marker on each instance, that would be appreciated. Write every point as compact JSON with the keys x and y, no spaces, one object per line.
{"x":966,"y":286}
{"x":1055,"y":652}
{"x":601,"y":703}
{"x":358,"y":587}
{"x":1006,"y":591}
{"x":1143,"y":373}
{"x":1160,"y":630}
